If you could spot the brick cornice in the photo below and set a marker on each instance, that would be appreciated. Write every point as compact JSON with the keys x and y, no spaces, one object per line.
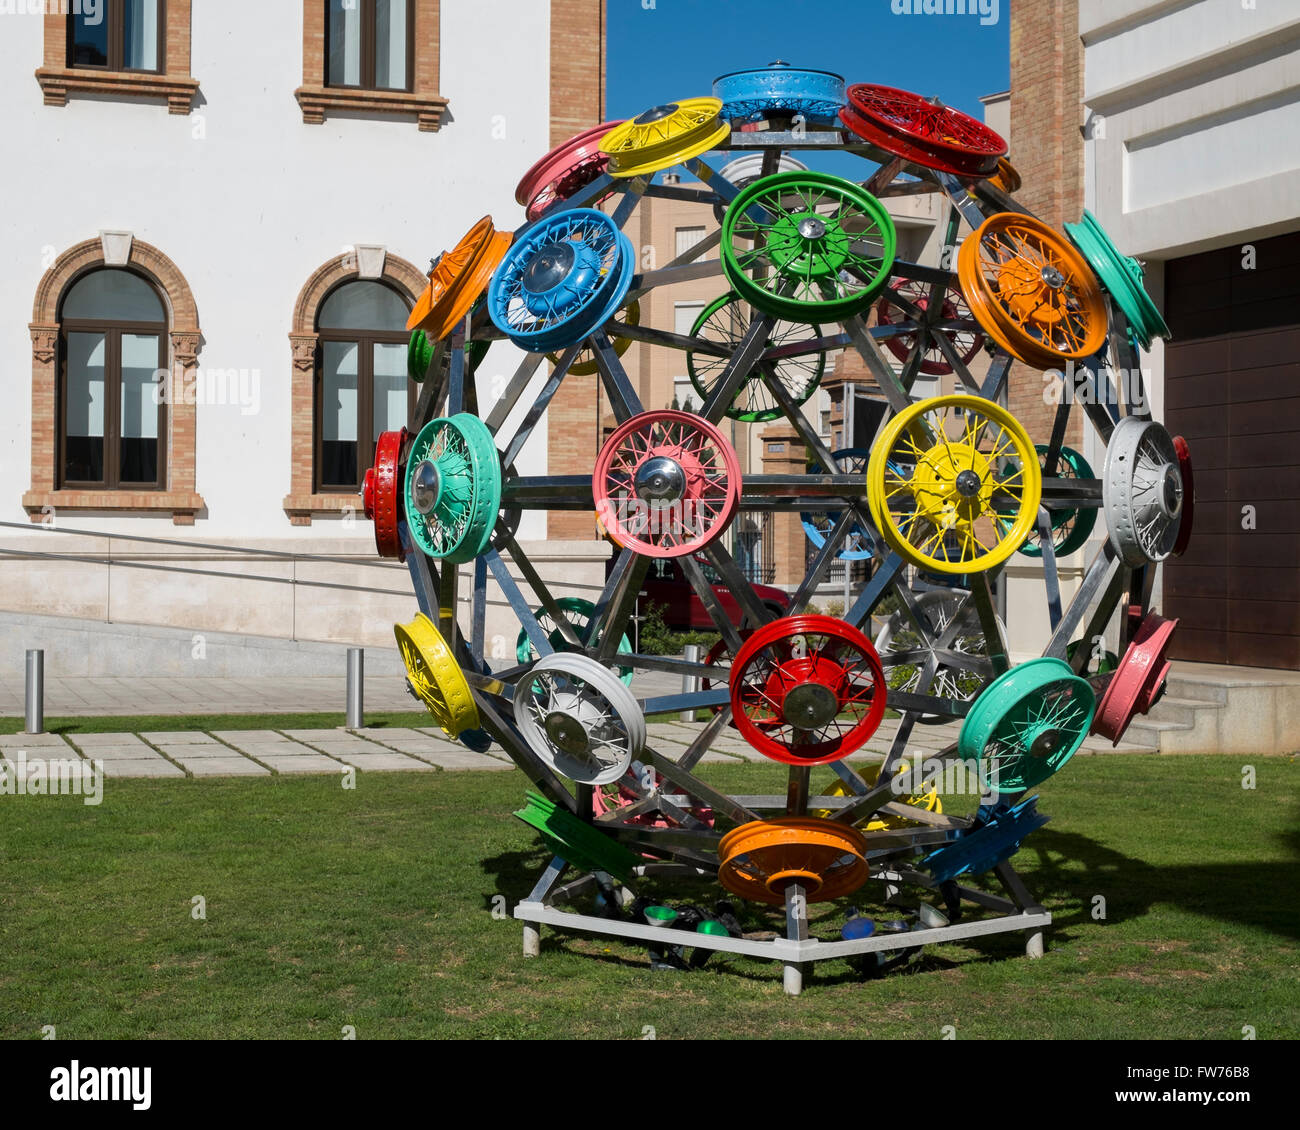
{"x":57,"y":84}
{"x":152,"y":501}
{"x":318,"y":101}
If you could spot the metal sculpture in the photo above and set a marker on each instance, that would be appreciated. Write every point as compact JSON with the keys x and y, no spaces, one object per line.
{"x":949,"y":489}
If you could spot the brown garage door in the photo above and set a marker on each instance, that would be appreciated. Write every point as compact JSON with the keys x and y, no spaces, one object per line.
{"x":1232,"y":388}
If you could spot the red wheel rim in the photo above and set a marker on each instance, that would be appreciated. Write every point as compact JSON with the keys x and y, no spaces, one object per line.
{"x":930,"y":134}
{"x":382,"y":497}
{"x":666,"y":484}
{"x":808,"y":670}
{"x":564,"y":170}
{"x":1189,"y":496}
{"x":966,"y":343}
{"x":1138,"y":681}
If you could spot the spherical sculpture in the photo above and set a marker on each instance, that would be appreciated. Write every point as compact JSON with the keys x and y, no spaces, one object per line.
{"x":927,"y":508}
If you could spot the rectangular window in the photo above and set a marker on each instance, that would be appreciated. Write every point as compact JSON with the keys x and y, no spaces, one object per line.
{"x":390,"y":391}
{"x":138,"y":456}
{"x":118,"y":35}
{"x":339,"y":414}
{"x":684,"y":392}
{"x":688,"y":238}
{"x":370,"y":44}
{"x":83,"y":445}
{"x":112,"y":416}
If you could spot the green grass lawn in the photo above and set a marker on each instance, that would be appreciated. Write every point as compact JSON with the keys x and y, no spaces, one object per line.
{"x":371,"y":907}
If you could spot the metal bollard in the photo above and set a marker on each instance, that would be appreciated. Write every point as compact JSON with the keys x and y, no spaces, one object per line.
{"x":356,"y":688}
{"x":35,"y":692}
{"x":690,"y":683}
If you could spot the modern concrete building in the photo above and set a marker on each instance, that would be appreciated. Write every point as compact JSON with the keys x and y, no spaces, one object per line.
{"x":219,"y":216}
{"x":1177,"y":123}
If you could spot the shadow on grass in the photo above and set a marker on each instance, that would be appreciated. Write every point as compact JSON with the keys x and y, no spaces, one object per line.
{"x":1252,"y":893}
{"x":1063,"y":870}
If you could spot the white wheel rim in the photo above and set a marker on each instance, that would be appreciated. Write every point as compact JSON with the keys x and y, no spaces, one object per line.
{"x":579,"y":718}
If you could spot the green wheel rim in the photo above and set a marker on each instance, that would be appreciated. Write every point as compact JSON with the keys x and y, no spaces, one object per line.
{"x":419,"y":356}
{"x":576,"y":842}
{"x":1027,"y":724}
{"x":1070,"y":528}
{"x":1121,"y":276}
{"x":724,"y":320}
{"x":581,"y":612}
{"x":1104,"y":666}
{"x":458,"y":526}
{"x":792,"y":231}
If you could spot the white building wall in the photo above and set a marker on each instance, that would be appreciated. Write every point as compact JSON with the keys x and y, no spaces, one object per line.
{"x":249,"y":202}
{"x":1194,"y":121}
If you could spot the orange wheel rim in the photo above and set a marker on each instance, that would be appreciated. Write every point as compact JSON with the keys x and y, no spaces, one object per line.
{"x":1032,"y":291}
{"x":459,"y":278}
{"x":757,"y":861}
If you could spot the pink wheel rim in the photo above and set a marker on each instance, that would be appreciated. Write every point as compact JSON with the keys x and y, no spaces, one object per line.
{"x":966,"y":343}
{"x":1139,"y":679}
{"x":564,"y":170}
{"x":666,"y":484}
{"x":793,"y":682}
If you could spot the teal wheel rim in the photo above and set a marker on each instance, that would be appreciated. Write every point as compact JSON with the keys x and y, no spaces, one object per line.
{"x":579,"y":613}
{"x":1027,"y":724}
{"x":821,"y":246}
{"x":724,"y":320}
{"x":453,"y":488}
{"x":1122,"y":276}
{"x":1070,"y":528}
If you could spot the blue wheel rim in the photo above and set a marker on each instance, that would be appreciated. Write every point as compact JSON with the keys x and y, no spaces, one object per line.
{"x":561,"y":281}
{"x":780,"y":91}
{"x":816,"y":530}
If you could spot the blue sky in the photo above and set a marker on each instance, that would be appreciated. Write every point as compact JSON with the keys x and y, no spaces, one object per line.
{"x":675,"y":48}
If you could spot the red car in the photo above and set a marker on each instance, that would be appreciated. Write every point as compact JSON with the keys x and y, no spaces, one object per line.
{"x":666,"y":585}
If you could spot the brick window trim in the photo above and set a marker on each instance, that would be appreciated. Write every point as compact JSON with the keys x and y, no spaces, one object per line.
{"x":301,"y":504}
{"x":175,"y":85}
{"x":422,"y":102}
{"x":179,"y":499}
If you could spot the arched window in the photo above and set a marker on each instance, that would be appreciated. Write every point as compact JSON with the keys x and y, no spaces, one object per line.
{"x":362,"y":386}
{"x":113,"y":347}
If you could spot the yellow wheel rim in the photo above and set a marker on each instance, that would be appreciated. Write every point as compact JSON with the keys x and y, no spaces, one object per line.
{"x":928,"y":800}
{"x":954,"y":484}
{"x":664,"y":136}
{"x":435,"y":676}
{"x":585,"y":365}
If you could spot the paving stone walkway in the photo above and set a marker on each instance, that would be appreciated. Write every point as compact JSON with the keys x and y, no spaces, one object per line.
{"x":266,"y":753}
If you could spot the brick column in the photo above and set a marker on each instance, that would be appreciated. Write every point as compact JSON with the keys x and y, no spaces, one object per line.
{"x":784,"y":454}
{"x":1048,"y":151}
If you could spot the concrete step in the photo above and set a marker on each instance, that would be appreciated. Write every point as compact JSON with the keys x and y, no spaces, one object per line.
{"x":1185,"y":710}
